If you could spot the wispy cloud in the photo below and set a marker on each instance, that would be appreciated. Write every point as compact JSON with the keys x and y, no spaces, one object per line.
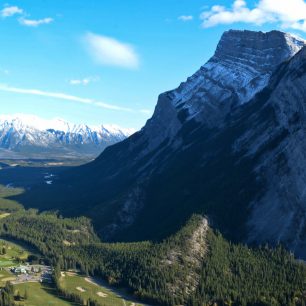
{"x":146,"y":111}
{"x":10,"y":11}
{"x":288,"y":14}
{"x":4,"y":71}
{"x":67,"y":97}
{"x":185,"y":18}
{"x":111,"y":52}
{"x":35,"y":22}
{"x":84,"y":81}
{"x":79,"y":82}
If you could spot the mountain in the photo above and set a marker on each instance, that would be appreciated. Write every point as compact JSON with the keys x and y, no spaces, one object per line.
{"x":30,"y":136}
{"x":229,"y":143}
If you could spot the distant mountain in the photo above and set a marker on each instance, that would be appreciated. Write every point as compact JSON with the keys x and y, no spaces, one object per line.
{"x":30,"y":136}
{"x":229,"y":144}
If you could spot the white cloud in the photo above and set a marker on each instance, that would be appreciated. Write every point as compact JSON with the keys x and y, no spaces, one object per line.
{"x":84,"y":81}
{"x":287,"y":13}
{"x":10,"y":11}
{"x":185,"y":18}
{"x":79,"y":82}
{"x":111,"y":52}
{"x":61,"y":96}
{"x":35,"y":22}
{"x":67,"y":97}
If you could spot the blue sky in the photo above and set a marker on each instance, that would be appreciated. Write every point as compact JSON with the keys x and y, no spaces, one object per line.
{"x":106,"y":61}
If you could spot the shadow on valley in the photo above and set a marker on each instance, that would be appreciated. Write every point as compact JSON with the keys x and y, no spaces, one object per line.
{"x":27,"y":177}
{"x":133,"y":193}
{"x":131,"y":196}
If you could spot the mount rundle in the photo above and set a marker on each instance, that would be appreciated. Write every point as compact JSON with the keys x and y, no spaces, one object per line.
{"x":229,"y":143}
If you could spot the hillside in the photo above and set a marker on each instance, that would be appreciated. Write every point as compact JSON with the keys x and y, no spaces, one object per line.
{"x":185,"y":269}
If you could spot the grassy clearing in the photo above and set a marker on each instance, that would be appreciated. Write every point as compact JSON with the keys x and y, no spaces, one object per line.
{"x":40,"y":294}
{"x":18,"y":246}
{"x":11,"y":254}
{"x":5,"y":276}
{"x":12,"y":251}
{"x":8,"y":191}
{"x":6,"y":262}
{"x":6,"y":205}
{"x":8,"y":254}
{"x":4,"y":215}
{"x":83,"y":287}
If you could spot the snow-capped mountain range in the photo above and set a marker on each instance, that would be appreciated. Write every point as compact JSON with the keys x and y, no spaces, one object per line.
{"x":32,"y":136}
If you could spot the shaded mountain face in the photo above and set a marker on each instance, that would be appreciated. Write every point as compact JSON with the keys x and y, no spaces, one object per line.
{"x":228,"y":143}
{"x":30,"y":136}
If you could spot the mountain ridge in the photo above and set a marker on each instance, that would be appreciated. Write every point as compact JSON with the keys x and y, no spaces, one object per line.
{"x":30,"y":135}
{"x":193,"y":155}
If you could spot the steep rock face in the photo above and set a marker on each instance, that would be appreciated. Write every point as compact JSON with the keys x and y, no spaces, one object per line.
{"x":241,"y":67}
{"x":206,"y":150}
{"x":279,"y":214}
{"x":32,"y":136}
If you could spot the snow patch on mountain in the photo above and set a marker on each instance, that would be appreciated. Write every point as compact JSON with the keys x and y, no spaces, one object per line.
{"x":241,"y":67}
{"x":26,"y":121}
{"x":22,"y":132}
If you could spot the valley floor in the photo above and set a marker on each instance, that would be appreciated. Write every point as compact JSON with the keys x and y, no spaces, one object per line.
{"x":191,"y":267}
{"x":32,"y":284}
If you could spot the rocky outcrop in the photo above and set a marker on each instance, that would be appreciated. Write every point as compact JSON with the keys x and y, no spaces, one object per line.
{"x":189,"y":258}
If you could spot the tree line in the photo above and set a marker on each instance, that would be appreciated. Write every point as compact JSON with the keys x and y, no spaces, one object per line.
{"x":230,"y":274}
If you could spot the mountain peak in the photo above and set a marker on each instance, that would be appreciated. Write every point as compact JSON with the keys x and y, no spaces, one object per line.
{"x":241,"y":67}
{"x":263,"y":50}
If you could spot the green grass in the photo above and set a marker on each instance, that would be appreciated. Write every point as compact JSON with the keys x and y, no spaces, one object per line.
{"x":12,"y":251}
{"x":6,"y":262}
{"x":15,"y":249}
{"x":5,"y":276}
{"x":4,"y":215}
{"x":7,"y":205}
{"x":78,"y":285}
{"x":39,"y":294}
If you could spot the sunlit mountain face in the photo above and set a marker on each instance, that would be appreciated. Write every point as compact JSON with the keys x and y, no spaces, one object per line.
{"x":30,"y":136}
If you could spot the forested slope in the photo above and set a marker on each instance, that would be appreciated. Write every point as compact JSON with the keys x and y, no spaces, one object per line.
{"x":197,"y":266}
